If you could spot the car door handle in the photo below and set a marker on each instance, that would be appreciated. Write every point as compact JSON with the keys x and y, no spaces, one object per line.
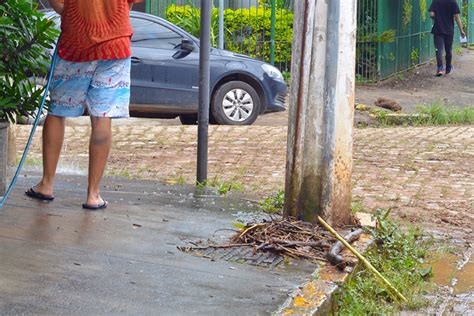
{"x":136,"y":60}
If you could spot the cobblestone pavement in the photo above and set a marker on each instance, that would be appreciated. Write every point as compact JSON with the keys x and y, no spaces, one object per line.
{"x":425,"y":173}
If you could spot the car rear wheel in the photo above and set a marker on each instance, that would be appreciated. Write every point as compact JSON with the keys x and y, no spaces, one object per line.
{"x":235,"y":103}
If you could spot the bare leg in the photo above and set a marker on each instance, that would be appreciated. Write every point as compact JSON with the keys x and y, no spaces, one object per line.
{"x":99,"y":148}
{"x":53,"y":137}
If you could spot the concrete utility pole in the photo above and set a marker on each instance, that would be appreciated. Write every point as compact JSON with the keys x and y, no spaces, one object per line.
{"x":319,"y":163}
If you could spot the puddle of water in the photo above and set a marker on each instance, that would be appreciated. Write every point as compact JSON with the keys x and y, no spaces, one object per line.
{"x":446,"y":273}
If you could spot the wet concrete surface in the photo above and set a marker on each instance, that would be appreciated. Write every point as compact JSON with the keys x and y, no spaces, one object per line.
{"x":58,"y":259}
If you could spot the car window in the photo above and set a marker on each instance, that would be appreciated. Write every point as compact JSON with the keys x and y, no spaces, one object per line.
{"x":150,"y":34}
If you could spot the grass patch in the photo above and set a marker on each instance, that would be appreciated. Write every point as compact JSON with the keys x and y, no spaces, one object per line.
{"x":121,"y":173}
{"x":457,"y":50}
{"x":435,"y":114}
{"x":223,"y":187}
{"x":179,"y":180}
{"x":273,"y":204}
{"x":438,"y":114}
{"x":357,"y":207}
{"x":30,"y":161}
{"x":400,"y":256}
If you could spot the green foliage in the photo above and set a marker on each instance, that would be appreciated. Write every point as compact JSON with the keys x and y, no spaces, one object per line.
{"x":286,"y":76}
{"x":415,"y":55}
{"x":423,"y":10}
{"x":457,"y":50}
{"x":274,"y":203}
{"x":465,"y":16}
{"x":357,"y":207}
{"x":437,"y":114}
{"x":278,"y":3}
{"x":247,"y":31}
{"x":399,"y":256}
{"x":222,"y":187}
{"x":188,"y":18}
{"x":407,"y":12}
{"x":25,"y":36}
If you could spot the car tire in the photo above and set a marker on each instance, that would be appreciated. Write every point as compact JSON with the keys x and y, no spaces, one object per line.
{"x":188,"y":119}
{"x":235,"y":103}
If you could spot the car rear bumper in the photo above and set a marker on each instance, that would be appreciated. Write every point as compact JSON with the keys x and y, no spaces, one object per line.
{"x":276,"y":96}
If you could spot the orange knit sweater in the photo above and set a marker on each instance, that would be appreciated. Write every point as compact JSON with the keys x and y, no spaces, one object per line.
{"x":95,"y":30}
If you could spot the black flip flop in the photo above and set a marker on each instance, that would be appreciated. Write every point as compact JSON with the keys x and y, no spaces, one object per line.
{"x":95,"y":207}
{"x":38,"y":196}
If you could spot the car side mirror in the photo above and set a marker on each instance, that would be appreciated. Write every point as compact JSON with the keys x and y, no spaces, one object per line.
{"x":185,"y":48}
{"x":187,"y":45}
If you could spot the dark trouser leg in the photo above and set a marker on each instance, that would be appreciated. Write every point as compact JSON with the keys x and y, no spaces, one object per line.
{"x":448,"y":45}
{"x":439,"y":45}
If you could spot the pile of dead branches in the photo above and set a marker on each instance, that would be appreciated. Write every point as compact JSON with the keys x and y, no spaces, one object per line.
{"x":287,"y":237}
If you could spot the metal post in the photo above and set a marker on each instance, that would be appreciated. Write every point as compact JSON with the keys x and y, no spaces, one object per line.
{"x":204,"y":98}
{"x":272,"y":33}
{"x":319,"y":163}
{"x":221,"y":24}
{"x":148,"y":6}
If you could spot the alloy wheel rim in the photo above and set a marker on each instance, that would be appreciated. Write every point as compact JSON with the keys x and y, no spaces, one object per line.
{"x":238,"y":105}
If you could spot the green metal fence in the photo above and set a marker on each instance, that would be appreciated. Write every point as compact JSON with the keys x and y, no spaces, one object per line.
{"x":393,"y":36}
{"x":259,"y":28}
{"x":470,"y":21}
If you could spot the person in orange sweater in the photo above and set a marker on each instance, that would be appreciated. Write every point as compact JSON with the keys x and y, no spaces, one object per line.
{"x":93,"y":73}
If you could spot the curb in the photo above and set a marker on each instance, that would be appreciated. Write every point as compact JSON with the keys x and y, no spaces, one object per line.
{"x":319,"y":295}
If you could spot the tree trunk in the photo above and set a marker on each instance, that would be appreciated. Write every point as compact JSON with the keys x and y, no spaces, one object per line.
{"x":11,"y":146}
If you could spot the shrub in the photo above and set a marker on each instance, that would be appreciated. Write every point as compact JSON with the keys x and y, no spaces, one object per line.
{"x":188,"y":18}
{"x":247,"y":31}
{"x":25,"y":37}
{"x":250,"y":33}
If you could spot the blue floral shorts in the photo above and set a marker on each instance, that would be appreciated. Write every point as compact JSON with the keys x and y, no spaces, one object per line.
{"x":101,"y":86}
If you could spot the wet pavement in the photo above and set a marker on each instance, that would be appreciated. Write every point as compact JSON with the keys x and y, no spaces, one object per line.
{"x":454,"y":276}
{"x":58,"y":259}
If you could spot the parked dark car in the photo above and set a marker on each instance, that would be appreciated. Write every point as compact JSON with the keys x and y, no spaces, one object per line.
{"x":165,"y":77}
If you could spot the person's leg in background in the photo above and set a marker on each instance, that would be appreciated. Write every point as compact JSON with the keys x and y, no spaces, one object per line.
{"x":53,"y":137}
{"x":448,"y":45}
{"x":99,"y":149}
{"x":439,"y":45}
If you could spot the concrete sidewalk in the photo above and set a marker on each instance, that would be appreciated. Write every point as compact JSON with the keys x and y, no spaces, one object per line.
{"x":58,"y":259}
